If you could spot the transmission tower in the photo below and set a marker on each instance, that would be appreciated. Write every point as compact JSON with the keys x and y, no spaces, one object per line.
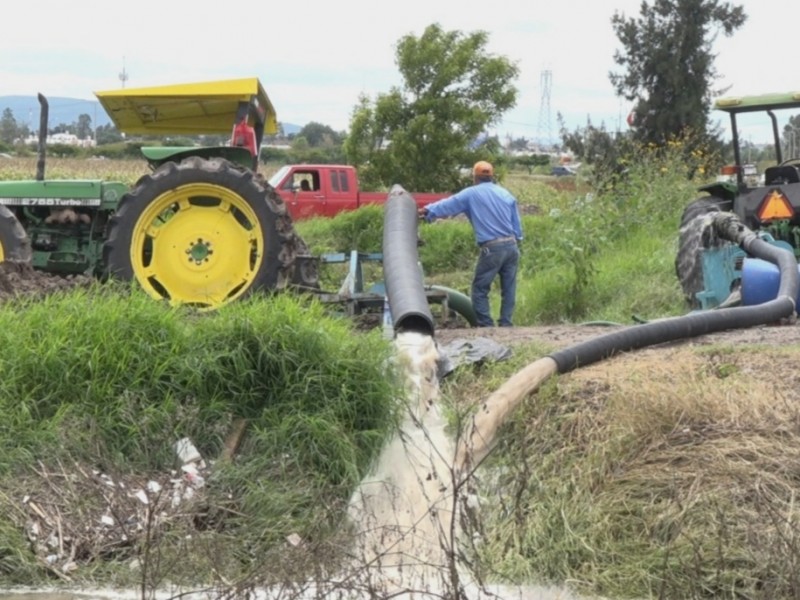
{"x":544,"y":132}
{"x":123,"y":75}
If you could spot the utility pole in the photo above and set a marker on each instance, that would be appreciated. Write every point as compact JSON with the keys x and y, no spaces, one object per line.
{"x":123,"y":76}
{"x":545,"y":125}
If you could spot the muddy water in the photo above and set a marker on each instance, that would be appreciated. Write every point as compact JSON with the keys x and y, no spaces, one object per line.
{"x":408,"y":507}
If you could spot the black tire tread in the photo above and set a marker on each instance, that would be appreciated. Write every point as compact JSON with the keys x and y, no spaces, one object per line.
{"x":282,"y":244}
{"x":696,"y":234}
{"x":13,"y":238}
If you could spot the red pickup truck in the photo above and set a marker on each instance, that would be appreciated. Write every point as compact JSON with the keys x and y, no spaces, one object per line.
{"x":326,"y":190}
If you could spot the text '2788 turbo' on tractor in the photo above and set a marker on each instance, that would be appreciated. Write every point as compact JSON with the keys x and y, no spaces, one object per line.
{"x":713,"y":266}
{"x":203,"y":228}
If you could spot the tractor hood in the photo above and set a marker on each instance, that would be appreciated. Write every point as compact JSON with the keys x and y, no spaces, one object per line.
{"x":189,"y":108}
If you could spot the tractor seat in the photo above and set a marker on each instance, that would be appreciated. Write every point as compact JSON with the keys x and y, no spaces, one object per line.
{"x":780,"y":174}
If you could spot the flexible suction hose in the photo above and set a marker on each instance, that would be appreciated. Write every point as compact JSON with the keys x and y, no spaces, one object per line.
{"x":403,"y":276}
{"x":727,"y":227}
{"x":494,"y":411}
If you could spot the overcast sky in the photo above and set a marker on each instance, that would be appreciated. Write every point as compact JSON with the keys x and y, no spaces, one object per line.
{"x":315,"y":58}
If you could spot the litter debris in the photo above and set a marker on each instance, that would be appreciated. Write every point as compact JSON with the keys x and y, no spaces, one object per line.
{"x":464,"y":351}
{"x":294,"y":539}
{"x":186,"y":451}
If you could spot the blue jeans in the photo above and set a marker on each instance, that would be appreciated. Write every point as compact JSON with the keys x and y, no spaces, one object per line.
{"x":496,"y":259}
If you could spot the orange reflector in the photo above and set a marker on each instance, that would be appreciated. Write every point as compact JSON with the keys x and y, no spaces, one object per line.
{"x":775,"y":205}
{"x":729,"y":170}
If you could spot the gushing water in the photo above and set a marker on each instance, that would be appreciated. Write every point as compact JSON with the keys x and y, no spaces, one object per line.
{"x":405,"y":508}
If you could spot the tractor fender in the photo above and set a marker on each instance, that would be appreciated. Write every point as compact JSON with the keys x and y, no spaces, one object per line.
{"x":158,"y":155}
{"x":721,"y":189}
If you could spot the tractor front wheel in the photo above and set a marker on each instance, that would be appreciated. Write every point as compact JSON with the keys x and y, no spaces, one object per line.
{"x":201,"y":233}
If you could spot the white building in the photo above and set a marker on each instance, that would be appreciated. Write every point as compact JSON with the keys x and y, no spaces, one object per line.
{"x":66,"y":139}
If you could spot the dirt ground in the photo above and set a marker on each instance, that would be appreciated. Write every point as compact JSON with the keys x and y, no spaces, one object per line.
{"x":20,"y":279}
{"x":565,"y":336}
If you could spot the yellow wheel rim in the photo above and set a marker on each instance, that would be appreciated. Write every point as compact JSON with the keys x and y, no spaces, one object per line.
{"x":199,"y":244}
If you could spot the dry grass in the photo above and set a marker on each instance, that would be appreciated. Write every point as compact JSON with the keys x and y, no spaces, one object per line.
{"x":669,"y":473}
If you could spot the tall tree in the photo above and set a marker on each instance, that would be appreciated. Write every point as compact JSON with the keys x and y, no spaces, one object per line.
{"x":318,"y":135}
{"x":669,"y":64}
{"x":418,"y":135}
{"x":83,"y":128}
{"x":9,"y":129}
{"x":791,"y":137}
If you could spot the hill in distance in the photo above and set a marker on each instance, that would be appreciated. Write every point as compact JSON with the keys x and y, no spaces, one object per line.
{"x":67,"y":110}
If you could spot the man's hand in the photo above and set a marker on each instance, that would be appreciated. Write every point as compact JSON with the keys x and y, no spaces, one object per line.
{"x":422,"y":213}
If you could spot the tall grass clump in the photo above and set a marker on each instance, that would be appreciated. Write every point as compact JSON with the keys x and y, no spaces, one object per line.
{"x":614,"y":245}
{"x":360,"y":230}
{"x":106,"y":380}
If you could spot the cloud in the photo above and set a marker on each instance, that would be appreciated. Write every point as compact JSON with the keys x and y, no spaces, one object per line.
{"x":315,"y":58}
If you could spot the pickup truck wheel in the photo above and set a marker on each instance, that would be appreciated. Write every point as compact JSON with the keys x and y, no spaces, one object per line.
{"x":696,"y":234}
{"x":201,"y":233}
{"x":14,"y":242}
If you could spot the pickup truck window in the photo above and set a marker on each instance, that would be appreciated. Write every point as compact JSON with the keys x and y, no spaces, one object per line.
{"x":276,"y":179}
{"x":303,"y":180}
{"x":307,"y":181}
{"x":339,"y":181}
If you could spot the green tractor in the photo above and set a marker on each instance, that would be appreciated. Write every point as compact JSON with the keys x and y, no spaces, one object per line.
{"x":203,"y":228}
{"x":713,"y":271}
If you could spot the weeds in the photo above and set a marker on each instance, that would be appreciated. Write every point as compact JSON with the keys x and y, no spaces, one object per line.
{"x":106,"y":383}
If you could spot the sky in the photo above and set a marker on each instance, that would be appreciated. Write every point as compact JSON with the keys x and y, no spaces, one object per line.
{"x":316,"y":58}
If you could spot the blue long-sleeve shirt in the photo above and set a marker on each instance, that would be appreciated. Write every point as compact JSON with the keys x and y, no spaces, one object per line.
{"x":490,"y":208}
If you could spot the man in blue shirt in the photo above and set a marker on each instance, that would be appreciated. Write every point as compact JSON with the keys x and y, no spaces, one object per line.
{"x":492,"y":210}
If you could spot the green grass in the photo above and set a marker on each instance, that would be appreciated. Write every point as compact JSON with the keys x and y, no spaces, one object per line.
{"x":104,"y":381}
{"x":111,"y":380}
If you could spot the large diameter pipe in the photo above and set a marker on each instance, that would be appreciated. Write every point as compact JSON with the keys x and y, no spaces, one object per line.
{"x":402,"y":274}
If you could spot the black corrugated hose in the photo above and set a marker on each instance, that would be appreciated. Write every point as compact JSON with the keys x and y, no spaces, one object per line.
{"x":728,"y":227}
{"x":402,"y":273}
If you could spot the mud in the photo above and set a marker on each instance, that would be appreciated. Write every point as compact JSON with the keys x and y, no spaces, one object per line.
{"x":21,"y":280}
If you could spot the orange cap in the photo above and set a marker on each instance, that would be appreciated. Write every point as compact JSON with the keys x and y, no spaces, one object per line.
{"x":483,"y":169}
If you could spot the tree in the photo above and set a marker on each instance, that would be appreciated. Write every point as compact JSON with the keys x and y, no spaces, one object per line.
{"x":598,"y":147}
{"x":9,"y":131}
{"x":419,"y":135}
{"x":319,"y":135}
{"x":83,"y":128}
{"x":108,"y":134}
{"x":669,"y":64}
{"x":791,"y":137}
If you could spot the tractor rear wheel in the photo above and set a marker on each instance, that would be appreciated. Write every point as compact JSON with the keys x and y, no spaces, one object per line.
{"x":696,"y":234}
{"x":202,"y":233}
{"x":14,"y":242}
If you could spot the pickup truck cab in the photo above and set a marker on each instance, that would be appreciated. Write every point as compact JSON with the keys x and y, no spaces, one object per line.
{"x":326,"y":190}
